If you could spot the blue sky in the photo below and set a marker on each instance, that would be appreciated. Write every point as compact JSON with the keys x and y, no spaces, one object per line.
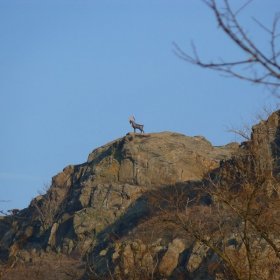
{"x":72,"y":72}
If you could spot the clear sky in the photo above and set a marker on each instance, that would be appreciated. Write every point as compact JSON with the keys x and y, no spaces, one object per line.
{"x":72,"y":72}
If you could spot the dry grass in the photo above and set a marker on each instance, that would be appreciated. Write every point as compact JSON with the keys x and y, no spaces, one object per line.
{"x":45,"y":267}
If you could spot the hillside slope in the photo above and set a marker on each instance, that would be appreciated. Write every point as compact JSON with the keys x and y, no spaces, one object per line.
{"x":101,"y":208}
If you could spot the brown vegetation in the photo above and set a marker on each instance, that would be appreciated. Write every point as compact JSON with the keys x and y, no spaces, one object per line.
{"x":241,"y":225}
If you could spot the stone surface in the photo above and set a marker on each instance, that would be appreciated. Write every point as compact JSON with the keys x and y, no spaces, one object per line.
{"x":170,"y":260}
{"x":94,"y":206}
{"x":98,"y":193}
{"x":85,"y":202}
{"x":198,"y":254}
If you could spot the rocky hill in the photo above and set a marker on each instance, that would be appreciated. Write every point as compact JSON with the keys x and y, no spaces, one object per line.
{"x":100,"y":213}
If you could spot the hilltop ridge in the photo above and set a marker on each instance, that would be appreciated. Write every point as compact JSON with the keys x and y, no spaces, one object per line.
{"x":106,"y":195}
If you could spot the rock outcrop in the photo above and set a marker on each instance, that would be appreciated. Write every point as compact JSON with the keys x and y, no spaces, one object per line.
{"x":97,"y":208}
{"x":86,"y":201}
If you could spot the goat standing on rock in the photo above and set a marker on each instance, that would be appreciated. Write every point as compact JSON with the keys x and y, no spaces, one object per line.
{"x":135,"y":125}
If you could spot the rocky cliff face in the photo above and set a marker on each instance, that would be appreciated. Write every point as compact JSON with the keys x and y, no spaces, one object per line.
{"x":101,"y":202}
{"x":85,"y":201}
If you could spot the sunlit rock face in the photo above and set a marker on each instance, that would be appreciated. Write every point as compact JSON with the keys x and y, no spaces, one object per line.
{"x":104,"y":199}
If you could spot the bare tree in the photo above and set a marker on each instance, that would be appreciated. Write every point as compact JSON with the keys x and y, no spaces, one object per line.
{"x":257,"y":66}
{"x":239,"y":222}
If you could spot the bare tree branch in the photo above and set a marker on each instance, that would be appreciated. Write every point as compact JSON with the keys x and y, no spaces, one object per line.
{"x":265,"y":68}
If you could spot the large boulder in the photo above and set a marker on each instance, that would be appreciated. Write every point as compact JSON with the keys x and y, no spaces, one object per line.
{"x":106,"y":194}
